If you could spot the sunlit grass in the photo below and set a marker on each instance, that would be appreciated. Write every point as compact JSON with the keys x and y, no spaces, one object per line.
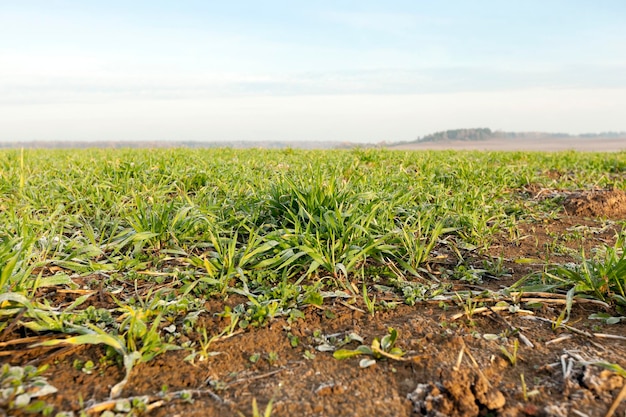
{"x":282,"y":229}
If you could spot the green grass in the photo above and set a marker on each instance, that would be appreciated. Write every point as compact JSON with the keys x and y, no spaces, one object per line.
{"x":602,"y":276}
{"x":163,"y":230}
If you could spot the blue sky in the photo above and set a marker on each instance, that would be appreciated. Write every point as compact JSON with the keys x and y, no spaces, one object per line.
{"x":279,"y":70}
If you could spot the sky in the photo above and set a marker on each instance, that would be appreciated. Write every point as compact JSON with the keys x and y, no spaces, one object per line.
{"x":359,"y":71}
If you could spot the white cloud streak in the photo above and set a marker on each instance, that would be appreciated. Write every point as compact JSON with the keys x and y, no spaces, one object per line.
{"x":86,"y":82}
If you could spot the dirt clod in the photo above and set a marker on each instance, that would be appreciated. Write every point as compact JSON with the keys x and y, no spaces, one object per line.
{"x":488,"y":396}
{"x":461,"y":393}
{"x":597,"y":203}
{"x":600,"y":382}
{"x":330,"y":389}
{"x":427,"y":399}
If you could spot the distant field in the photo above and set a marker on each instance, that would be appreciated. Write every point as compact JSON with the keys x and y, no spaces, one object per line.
{"x":548,"y":145}
{"x":357,"y":282}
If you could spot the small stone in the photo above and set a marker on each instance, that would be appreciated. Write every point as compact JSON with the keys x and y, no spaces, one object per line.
{"x":325,"y":389}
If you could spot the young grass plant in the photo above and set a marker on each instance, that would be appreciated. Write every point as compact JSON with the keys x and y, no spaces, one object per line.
{"x":341,"y":243}
{"x":133,"y":340}
{"x":469,"y":304}
{"x":255,"y":409}
{"x":230,"y":259}
{"x":379,"y":349}
{"x":511,"y":356}
{"x":370,"y":303}
{"x":99,"y":337}
{"x":603,"y":277}
{"x":333,"y":226}
{"x":15,"y":274}
{"x":414,"y":241}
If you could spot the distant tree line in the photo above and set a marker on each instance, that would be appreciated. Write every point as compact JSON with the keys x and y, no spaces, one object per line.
{"x":486,"y":133}
{"x":460,"y":134}
{"x":604,"y":135}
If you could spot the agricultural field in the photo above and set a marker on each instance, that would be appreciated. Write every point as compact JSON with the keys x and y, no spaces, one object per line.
{"x":312,"y":283}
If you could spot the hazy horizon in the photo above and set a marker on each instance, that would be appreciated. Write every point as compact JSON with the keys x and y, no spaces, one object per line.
{"x":329,"y":71}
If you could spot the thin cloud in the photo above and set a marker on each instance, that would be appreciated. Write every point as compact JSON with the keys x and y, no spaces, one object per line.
{"x":96,"y":87}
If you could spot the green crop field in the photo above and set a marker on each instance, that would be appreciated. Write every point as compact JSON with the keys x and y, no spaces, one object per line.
{"x":122,"y":249}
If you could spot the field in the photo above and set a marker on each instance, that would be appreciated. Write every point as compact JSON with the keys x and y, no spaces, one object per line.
{"x":596,"y":144}
{"x":313,"y":283}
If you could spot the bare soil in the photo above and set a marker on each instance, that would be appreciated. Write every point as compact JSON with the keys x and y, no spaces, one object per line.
{"x":607,"y":203}
{"x":525,"y":144}
{"x":455,"y":365}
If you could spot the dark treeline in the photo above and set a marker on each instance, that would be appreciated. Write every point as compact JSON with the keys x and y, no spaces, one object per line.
{"x":476,"y":134}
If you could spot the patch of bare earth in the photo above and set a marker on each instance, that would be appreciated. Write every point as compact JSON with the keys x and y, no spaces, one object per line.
{"x":455,"y":365}
{"x":597,"y":203}
{"x":526,"y":144}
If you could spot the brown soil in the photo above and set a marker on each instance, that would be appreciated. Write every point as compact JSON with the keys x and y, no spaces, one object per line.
{"x":600,"y":203}
{"x":526,"y":144}
{"x":455,"y":365}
